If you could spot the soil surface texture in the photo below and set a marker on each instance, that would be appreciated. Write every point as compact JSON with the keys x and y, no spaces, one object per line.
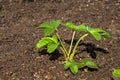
{"x":19,"y":58}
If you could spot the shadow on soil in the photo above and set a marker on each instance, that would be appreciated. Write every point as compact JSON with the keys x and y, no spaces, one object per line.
{"x":90,"y":48}
{"x":53,"y":56}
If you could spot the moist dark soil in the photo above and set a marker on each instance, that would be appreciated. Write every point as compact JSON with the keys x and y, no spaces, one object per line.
{"x":19,"y":58}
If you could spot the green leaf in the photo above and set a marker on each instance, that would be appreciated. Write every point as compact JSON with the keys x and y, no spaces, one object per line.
{"x":82,"y":64}
{"x":54,"y":39}
{"x":73,"y":27}
{"x":67,"y":64}
{"x":74,"y":67}
{"x":43,"y":25}
{"x":95,"y":32}
{"x":96,"y":35}
{"x":89,"y":28}
{"x":49,"y":27}
{"x":44,"y":41}
{"x":103,"y":33}
{"x":88,"y":63}
{"x":116,"y":73}
{"x":81,"y":28}
{"x":51,"y":47}
{"x":69,"y":25}
{"x":48,"y":31}
{"x":91,"y":64}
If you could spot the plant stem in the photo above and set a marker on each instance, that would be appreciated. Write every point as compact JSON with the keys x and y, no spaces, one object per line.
{"x":65,"y":56}
{"x":71,"y":42}
{"x":74,"y":50}
{"x":65,"y":53}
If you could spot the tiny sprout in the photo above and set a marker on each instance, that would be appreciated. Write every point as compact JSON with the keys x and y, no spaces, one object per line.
{"x":116,"y":73}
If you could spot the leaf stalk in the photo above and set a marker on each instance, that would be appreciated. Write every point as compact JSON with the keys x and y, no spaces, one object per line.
{"x":74,"y":49}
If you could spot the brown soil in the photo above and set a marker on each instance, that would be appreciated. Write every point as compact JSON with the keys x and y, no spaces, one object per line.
{"x":20,"y":60}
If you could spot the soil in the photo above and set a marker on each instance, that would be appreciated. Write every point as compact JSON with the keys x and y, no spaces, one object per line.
{"x":20,"y":60}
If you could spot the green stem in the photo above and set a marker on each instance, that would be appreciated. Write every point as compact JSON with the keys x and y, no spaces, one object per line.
{"x":65,"y":53}
{"x":71,"y":42}
{"x":74,"y":50}
{"x":65,"y":56}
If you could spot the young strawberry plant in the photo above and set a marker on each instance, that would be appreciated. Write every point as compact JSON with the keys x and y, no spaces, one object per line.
{"x":52,"y":40}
